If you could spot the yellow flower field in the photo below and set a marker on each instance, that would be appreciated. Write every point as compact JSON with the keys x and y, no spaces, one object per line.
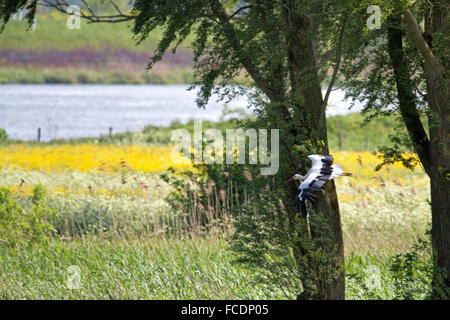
{"x":88,"y":157}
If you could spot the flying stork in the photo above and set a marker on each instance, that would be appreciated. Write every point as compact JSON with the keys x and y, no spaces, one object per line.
{"x":321,"y":171}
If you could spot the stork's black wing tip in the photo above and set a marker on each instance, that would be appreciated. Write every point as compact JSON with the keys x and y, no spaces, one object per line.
{"x":311,"y":197}
{"x":328,"y":160}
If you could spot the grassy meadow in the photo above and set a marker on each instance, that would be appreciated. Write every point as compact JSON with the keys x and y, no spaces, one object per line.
{"x":96,"y":53}
{"x":111,"y":220}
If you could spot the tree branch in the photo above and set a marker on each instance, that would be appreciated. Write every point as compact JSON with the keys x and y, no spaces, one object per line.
{"x":245,"y":60}
{"x":239,"y":10}
{"x":421,"y":43}
{"x":324,"y":57}
{"x":405,"y":93}
{"x":62,"y":6}
{"x":315,"y":15}
{"x":116,"y":7}
{"x":338,"y":63}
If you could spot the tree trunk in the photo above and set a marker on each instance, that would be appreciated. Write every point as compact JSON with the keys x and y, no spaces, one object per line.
{"x":439,"y":120}
{"x":439,"y":102}
{"x":440,"y":232}
{"x":434,"y":153}
{"x":405,"y":92}
{"x":305,"y":84}
{"x":438,"y":97}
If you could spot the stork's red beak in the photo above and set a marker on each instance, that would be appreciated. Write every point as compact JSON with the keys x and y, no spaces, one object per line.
{"x":291,"y":179}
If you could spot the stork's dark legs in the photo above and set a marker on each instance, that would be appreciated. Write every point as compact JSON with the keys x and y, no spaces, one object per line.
{"x":302,"y":205}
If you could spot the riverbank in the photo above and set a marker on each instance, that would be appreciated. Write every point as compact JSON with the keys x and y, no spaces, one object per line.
{"x":344,"y":133}
{"x":97,"y":53}
{"x":30,"y":75}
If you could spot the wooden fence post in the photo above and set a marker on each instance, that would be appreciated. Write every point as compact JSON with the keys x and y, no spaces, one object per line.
{"x":340,"y":141}
{"x":39,"y":135}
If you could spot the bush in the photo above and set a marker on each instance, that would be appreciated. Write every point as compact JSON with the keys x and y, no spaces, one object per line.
{"x":3,"y":135}
{"x":412,"y":272}
{"x":25,"y":225}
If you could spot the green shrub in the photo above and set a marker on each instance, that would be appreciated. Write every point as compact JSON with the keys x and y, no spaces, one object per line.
{"x":412,"y":273}
{"x":3,"y":135}
{"x":22,"y":224}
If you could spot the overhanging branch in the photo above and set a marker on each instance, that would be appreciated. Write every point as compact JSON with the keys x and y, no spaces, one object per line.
{"x":338,"y":63}
{"x":239,"y":10}
{"x":421,"y":43}
{"x":92,"y":16}
{"x":407,"y":99}
{"x":245,"y":60}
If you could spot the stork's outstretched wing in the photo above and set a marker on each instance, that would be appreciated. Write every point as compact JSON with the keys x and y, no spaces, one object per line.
{"x":319,"y":162}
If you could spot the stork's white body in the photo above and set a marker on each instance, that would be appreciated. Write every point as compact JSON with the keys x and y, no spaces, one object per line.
{"x":321,"y":171}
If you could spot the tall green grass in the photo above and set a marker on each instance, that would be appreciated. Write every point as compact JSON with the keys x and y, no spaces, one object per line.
{"x":182,"y":269}
{"x":177,"y":269}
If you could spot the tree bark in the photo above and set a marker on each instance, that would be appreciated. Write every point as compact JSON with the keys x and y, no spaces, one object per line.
{"x":405,"y":93}
{"x":439,"y":119}
{"x":438,"y":97}
{"x":305,"y":84}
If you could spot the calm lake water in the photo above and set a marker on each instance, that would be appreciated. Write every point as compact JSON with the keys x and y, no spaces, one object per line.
{"x":68,"y":111}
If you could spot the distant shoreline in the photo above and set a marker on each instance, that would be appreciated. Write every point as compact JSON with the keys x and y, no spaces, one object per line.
{"x":96,"y":54}
{"x":86,"y":76}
